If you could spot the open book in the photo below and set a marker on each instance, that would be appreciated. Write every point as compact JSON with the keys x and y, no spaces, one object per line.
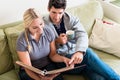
{"x":45,"y":72}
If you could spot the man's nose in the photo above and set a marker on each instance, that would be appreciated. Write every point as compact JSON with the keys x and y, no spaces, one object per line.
{"x":57,"y":16}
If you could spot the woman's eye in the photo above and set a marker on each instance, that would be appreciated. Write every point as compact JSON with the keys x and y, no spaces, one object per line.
{"x":40,"y":24}
{"x":35,"y":27}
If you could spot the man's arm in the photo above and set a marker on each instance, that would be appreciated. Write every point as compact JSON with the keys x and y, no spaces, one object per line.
{"x":81,"y":37}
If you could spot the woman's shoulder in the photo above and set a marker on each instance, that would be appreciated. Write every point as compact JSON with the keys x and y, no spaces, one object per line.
{"x":49,"y":33}
{"x":21,"y":36}
{"x":47,"y":30}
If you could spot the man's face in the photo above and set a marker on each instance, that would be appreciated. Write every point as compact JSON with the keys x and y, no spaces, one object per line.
{"x":56,"y":14}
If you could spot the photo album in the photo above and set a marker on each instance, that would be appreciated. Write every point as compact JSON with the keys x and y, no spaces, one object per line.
{"x":45,"y":72}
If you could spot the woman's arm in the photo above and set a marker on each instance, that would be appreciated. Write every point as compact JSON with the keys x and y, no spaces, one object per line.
{"x":25,"y":58}
{"x":56,"y":57}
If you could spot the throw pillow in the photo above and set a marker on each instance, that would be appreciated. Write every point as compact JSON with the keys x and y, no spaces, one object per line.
{"x":105,"y":37}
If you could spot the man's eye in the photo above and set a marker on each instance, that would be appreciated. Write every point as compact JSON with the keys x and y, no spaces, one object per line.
{"x":54,"y":12}
{"x":61,"y":13}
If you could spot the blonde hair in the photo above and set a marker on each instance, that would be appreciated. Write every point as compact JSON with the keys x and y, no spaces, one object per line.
{"x":29,"y":15}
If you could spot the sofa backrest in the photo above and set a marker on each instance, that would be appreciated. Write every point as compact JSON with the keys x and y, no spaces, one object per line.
{"x":12,"y":34}
{"x":6,"y":62}
{"x":10,"y":24}
{"x":6,"y":57}
{"x":87,"y":13}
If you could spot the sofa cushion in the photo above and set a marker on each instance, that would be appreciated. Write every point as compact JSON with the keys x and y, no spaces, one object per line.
{"x":74,"y":77}
{"x":87,"y":13}
{"x":10,"y":75}
{"x":12,"y":34}
{"x":5,"y":56}
{"x":105,"y":37}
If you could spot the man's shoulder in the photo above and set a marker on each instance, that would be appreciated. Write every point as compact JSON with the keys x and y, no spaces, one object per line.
{"x":46,"y":18}
{"x":69,"y":16}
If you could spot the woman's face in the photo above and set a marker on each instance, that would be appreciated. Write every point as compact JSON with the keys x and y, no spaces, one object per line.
{"x":36,"y":26}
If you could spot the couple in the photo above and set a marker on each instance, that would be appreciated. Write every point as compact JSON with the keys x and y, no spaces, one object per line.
{"x":42,"y":44}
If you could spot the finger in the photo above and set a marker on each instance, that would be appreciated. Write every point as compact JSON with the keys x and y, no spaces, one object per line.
{"x":77,"y":60}
{"x":41,"y":76}
{"x":71,"y":61}
{"x":72,"y":65}
{"x":67,"y":64}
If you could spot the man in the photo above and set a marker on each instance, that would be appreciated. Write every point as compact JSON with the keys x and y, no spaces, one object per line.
{"x":60,"y":22}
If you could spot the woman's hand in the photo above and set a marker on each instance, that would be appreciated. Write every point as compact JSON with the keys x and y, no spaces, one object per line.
{"x":49,"y":77}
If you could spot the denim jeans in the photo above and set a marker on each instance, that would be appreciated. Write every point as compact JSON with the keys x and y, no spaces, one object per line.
{"x":95,"y":68}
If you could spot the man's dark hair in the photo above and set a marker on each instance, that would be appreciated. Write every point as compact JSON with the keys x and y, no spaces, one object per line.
{"x":57,"y":4}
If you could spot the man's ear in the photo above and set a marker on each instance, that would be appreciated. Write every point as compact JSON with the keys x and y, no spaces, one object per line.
{"x":48,"y":9}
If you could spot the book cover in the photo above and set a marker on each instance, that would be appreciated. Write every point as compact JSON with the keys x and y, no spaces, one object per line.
{"x":45,"y":72}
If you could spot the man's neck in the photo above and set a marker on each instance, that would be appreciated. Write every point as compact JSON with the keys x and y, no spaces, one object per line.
{"x":58,"y":23}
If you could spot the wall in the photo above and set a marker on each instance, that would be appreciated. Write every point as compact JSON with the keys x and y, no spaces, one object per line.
{"x":12,"y":10}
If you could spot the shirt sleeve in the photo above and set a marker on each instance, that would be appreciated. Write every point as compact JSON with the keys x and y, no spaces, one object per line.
{"x":81,"y":37}
{"x":21,"y":44}
{"x":50,"y":34}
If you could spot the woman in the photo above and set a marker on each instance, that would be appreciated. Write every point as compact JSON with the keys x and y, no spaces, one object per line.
{"x":36,"y":47}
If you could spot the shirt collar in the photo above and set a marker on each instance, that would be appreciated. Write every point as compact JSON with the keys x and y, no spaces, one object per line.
{"x":31,"y":38}
{"x":55,"y":24}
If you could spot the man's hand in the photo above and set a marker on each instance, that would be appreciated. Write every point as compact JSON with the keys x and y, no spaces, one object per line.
{"x":66,"y":61}
{"x":62,"y":39}
{"x":76,"y":58}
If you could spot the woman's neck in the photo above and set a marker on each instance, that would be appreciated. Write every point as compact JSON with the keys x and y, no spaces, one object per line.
{"x":36,"y":37}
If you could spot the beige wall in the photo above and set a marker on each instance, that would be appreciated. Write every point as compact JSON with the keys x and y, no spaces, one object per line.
{"x":12,"y":10}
